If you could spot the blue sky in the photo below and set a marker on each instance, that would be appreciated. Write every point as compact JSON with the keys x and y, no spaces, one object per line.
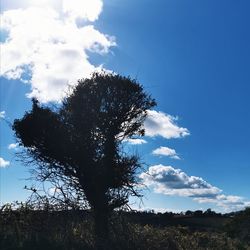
{"x":192,"y":56}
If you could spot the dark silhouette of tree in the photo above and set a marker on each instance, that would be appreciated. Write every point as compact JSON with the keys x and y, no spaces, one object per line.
{"x":189,"y":213}
{"x":198,"y":213}
{"x":79,"y":143}
{"x":210,"y":213}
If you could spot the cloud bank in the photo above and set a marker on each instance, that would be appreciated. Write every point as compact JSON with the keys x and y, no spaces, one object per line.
{"x":171,"y":181}
{"x":48,"y":48}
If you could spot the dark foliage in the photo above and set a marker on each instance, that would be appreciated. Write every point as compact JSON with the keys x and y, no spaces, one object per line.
{"x":24,"y":228}
{"x":78,"y":146}
{"x":239,"y":225}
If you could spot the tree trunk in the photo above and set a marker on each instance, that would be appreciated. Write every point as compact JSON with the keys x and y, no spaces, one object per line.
{"x":101,"y":220}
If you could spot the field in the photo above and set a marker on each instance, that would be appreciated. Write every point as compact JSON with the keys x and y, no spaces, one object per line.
{"x":29,"y":229}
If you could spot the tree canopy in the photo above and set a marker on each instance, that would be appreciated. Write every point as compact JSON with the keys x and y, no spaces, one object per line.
{"x":79,"y":143}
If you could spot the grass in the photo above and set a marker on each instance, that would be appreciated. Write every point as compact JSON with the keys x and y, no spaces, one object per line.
{"x":26,"y":229}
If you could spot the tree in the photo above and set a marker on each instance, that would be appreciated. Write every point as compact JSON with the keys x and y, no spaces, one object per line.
{"x":79,"y":143}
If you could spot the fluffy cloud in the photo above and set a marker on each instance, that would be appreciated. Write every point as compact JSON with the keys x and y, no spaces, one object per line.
{"x":47,"y":47}
{"x":13,"y":146}
{"x":135,"y":141}
{"x":2,"y":114}
{"x":161,"y":124}
{"x":86,"y":9}
{"x":170,"y":181}
{"x":166,"y":152}
{"x":4,"y":163}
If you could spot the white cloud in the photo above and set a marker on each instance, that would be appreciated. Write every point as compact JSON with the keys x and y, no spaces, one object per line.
{"x":89,"y":10}
{"x":135,"y":141}
{"x":227,"y":202}
{"x":13,"y":146}
{"x":2,"y":114}
{"x":170,"y":181}
{"x":46,"y":46}
{"x":13,"y":4}
{"x":166,"y":152}
{"x":161,"y":124}
{"x":4,"y":163}
{"x":155,"y":209}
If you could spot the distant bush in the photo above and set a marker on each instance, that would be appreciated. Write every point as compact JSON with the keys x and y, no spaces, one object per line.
{"x":239,"y":226}
{"x":25,"y":228}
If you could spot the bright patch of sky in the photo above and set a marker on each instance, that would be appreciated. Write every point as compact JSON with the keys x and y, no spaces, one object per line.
{"x":193,"y":57}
